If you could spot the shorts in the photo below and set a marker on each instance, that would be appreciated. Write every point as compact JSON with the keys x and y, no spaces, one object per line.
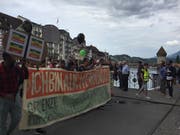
{"x":145,"y":85}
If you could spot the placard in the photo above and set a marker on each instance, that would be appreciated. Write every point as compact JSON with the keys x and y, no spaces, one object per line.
{"x":35,"y":49}
{"x":17,"y":42}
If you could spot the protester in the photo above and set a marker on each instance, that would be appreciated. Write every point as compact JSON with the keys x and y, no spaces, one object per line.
{"x":72,"y":66}
{"x":145,"y":77}
{"x":115,"y":73}
{"x":178,"y":75}
{"x":139,"y":72}
{"x":100,"y":63}
{"x":24,"y":69}
{"x":120,"y":75}
{"x":25,"y":73}
{"x":49,"y":64}
{"x":125,"y":75}
{"x":110,"y":64}
{"x":162,"y":72}
{"x":10,"y":76}
{"x":63,"y":64}
{"x":170,"y":77}
{"x":86,"y":65}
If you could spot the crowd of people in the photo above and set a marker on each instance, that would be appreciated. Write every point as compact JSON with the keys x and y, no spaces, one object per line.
{"x":77,"y":65}
{"x":12,"y":75}
{"x":167,"y":73}
{"x":168,"y":76}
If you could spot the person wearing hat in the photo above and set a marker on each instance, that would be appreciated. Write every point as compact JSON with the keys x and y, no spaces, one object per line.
{"x":10,"y":76}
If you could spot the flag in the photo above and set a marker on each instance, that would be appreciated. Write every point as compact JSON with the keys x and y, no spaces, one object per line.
{"x":57,"y":21}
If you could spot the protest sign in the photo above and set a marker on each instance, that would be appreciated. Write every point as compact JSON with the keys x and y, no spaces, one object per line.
{"x":35,"y":49}
{"x":53,"y":95}
{"x":17,"y":42}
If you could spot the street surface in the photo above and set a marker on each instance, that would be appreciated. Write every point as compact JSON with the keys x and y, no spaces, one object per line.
{"x":125,"y":114}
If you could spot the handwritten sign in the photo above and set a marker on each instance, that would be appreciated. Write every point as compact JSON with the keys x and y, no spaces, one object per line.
{"x":35,"y":49}
{"x":54,"y":95}
{"x":17,"y":42}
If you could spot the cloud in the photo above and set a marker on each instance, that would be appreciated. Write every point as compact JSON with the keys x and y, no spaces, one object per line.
{"x":132,"y":27}
{"x":127,"y":8}
{"x":123,"y":13}
{"x":172,"y":43}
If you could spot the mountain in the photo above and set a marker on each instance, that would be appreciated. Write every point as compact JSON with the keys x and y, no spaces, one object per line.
{"x":174,"y":55}
{"x":136,"y":59}
{"x":131,"y":59}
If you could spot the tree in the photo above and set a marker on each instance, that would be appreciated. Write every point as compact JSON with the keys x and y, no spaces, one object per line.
{"x":177,"y":59}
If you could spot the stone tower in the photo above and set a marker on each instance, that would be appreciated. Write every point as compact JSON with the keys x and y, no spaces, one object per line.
{"x":161,"y":55}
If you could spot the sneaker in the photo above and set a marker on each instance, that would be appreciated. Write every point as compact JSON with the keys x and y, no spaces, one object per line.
{"x":40,"y":131}
{"x":148,"y":97}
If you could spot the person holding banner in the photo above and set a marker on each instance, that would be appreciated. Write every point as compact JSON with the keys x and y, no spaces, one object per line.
{"x":86,"y":65}
{"x":25,"y":74}
{"x":9,"y":83}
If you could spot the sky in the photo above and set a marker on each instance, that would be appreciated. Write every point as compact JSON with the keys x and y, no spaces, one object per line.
{"x":133,"y":27}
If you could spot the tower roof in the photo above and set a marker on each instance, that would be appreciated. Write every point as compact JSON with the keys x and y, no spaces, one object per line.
{"x":161,"y":52}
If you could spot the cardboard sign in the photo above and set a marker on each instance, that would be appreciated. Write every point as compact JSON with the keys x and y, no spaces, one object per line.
{"x":17,"y":42}
{"x":35,"y":49}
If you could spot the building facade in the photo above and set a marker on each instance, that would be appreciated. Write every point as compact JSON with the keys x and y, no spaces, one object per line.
{"x":36,"y":28}
{"x":65,"y":44}
{"x":58,"y":42}
{"x":51,"y":39}
{"x":6,"y":23}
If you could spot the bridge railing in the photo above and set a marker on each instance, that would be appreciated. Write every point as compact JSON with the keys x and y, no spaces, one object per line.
{"x":133,"y":82}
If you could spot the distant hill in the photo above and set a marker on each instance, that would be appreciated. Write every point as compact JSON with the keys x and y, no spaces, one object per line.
{"x":131,"y":59}
{"x":136,"y":59}
{"x":174,"y":55}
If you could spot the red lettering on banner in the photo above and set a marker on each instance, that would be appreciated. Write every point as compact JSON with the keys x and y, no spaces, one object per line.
{"x":46,"y":82}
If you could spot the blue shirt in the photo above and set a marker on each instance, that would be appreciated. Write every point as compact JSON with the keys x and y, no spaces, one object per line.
{"x":125,"y":69}
{"x":163,"y":72}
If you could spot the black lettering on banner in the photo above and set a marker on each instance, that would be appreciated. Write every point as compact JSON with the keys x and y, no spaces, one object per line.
{"x":33,"y":120}
{"x":35,"y":108}
{"x":49,"y":103}
{"x":42,"y":105}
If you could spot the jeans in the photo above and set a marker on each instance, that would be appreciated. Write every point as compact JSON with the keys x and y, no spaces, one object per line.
{"x":170,"y":87}
{"x":13,"y":109}
{"x":163,"y":85}
{"x":125,"y":82}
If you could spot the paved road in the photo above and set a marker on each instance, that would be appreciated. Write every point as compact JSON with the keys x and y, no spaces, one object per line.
{"x":122,"y":116}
